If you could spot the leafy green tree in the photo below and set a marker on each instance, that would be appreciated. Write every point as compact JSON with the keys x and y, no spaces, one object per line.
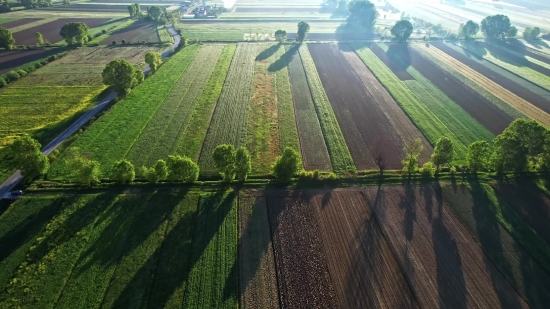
{"x":28,"y":158}
{"x":242,"y":163}
{"x":512,"y":32}
{"x":121,"y":75}
{"x":155,"y":12}
{"x":6,"y":39}
{"x":74,"y":33}
{"x":5,"y":6}
{"x":85,"y":171}
{"x":161,"y":169}
{"x":363,"y":13}
{"x":495,"y":26}
{"x":468,"y":30}
{"x":280,"y":36}
{"x":303,"y":29}
{"x":224,"y":161}
{"x":39,"y":38}
{"x":531,"y":33}
{"x":412,"y":150}
{"x":443,"y":152}
{"x":123,"y":171}
{"x":153,"y":60}
{"x":544,"y":160}
{"x":182,"y":169}
{"x":509,"y":154}
{"x":479,"y":156}
{"x":428,"y":170}
{"x":533,"y":136}
{"x":402,"y":30}
{"x":287,"y":165}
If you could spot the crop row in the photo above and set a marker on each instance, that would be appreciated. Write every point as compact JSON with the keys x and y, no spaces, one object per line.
{"x":424,"y":118}
{"x":520,"y":104}
{"x":228,"y":124}
{"x":110,"y":138}
{"x":195,"y":132}
{"x":159,"y":137}
{"x":336,"y":144}
{"x":213,"y":278}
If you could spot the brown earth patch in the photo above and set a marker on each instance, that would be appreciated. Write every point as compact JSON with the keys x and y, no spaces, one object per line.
{"x":445,"y":267}
{"x":502,"y":55}
{"x":363,"y":123}
{"x":396,"y":67}
{"x":12,"y":59}
{"x":481,"y":109}
{"x":136,"y":32}
{"x":50,"y":31}
{"x":511,"y":86}
{"x":19,"y":22}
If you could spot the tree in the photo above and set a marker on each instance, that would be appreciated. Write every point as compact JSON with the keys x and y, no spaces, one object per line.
{"x":153,"y":60}
{"x":242,"y":163}
{"x":182,"y":169}
{"x":161,"y":170}
{"x":428,"y":170}
{"x":532,"y":135}
{"x":224,"y":161}
{"x":402,"y":30}
{"x":6,"y":39}
{"x":363,"y":13}
{"x":512,"y":32}
{"x":495,"y":26}
{"x":479,"y":156}
{"x":39,"y":38}
{"x":509,"y":154}
{"x":412,"y":150}
{"x":287,"y":165}
{"x":5,"y":6}
{"x":121,"y":75}
{"x":28,"y":158}
{"x":85,"y":171}
{"x":443,"y":152}
{"x":123,"y":171}
{"x":74,"y":33}
{"x":155,"y":12}
{"x":131,"y":10}
{"x":468,"y":30}
{"x":280,"y":36}
{"x":381,"y":152}
{"x":303,"y":29}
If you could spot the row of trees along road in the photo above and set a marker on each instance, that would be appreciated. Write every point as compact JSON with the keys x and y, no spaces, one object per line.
{"x":74,"y":33}
{"x":154,"y":13}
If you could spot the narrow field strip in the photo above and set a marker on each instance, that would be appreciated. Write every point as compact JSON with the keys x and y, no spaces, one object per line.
{"x":257,"y":274}
{"x":336,"y":144}
{"x":423,"y":117}
{"x":194,"y":134}
{"x":522,"y":105}
{"x":228,"y":125}
{"x":544,"y":62}
{"x":312,"y":143}
{"x":173,"y":267}
{"x":157,"y":139}
{"x":397,"y":117}
{"x":213,"y":279}
{"x":110,"y":138}
{"x":33,"y":24}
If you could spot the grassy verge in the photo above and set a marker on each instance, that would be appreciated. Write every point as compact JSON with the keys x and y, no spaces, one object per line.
{"x":164,"y":35}
{"x":193,"y":138}
{"x":336,"y":144}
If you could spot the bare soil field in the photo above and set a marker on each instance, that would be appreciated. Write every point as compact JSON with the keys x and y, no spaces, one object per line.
{"x":399,"y":120}
{"x":19,"y":22}
{"x":445,"y":266}
{"x":312,"y":143}
{"x":12,"y":59}
{"x":362,"y":265}
{"x":89,"y":8}
{"x":50,"y":31}
{"x":258,"y":277}
{"x":302,"y":272}
{"x":397,"y":68}
{"x":530,"y":203}
{"x":137,"y":32}
{"x":364,"y":125}
{"x":481,"y":109}
{"x":521,"y":61}
{"x":511,"y":86}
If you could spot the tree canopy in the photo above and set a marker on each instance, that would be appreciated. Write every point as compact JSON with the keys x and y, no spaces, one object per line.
{"x":509,"y":154}
{"x":402,"y":30}
{"x":28,"y":158}
{"x":74,"y":33}
{"x":121,"y":75}
{"x":153,"y":60}
{"x":531,"y":33}
{"x":479,"y":156}
{"x":280,"y":36}
{"x":123,"y":171}
{"x":134,"y":10}
{"x":303,"y":29}
{"x":443,"y":152}
{"x":182,"y":169}
{"x":155,"y":12}
{"x":224,"y":161}
{"x":412,"y":150}
{"x":6,"y":39}
{"x":363,"y":13}
{"x":495,"y":26}
{"x":512,"y":32}
{"x":39,"y":38}
{"x":469,"y":29}
{"x":287,"y":165}
{"x":242,"y":163}
{"x":85,"y":171}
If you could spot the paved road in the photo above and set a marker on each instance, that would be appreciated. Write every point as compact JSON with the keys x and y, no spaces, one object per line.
{"x":17,"y":177}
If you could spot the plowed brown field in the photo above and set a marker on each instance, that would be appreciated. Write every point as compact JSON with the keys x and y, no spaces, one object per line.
{"x":137,"y":32}
{"x":12,"y":59}
{"x":50,"y":31}
{"x":302,"y":272}
{"x":364,"y":124}
{"x":362,"y":266}
{"x":446,"y":268}
{"x":19,"y":22}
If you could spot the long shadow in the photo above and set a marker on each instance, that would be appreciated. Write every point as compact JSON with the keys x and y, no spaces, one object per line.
{"x":268,"y":52}
{"x":408,"y":201}
{"x":285,"y":59}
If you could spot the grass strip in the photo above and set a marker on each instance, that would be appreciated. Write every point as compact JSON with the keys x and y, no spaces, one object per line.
{"x":122,"y":23}
{"x":164,"y":35}
{"x":213,"y":280}
{"x":193,"y":138}
{"x":336,"y":144}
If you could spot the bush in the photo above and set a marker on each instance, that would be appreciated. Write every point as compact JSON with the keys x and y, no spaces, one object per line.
{"x":52,"y":58}
{"x":3,"y":82}
{"x":123,"y":41}
{"x":182,"y":169}
{"x":113,"y":42}
{"x":97,"y":35}
{"x":123,"y":172}
{"x":330,"y":176}
{"x":22,"y":73}
{"x":428,"y":170}
{"x":287,"y":165}
{"x":452,"y":170}
{"x":37,"y":65}
{"x":12,"y":76}
{"x":103,"y":31}
{"x":313,"y":175}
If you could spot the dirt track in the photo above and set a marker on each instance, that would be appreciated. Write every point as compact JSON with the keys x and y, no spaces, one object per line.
{"x":50,"y":31}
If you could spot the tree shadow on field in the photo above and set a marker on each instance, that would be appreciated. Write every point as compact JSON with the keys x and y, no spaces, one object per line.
{"x":268,"y":52}
{"x":398,"y":56}
{"x":285,"y":59}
